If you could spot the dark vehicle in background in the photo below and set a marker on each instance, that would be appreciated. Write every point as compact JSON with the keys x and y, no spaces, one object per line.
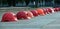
{"x":35,"y":3}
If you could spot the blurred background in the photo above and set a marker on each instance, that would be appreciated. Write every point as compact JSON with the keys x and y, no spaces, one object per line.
{"x":40,"y":22}
{"x":29,"y":3}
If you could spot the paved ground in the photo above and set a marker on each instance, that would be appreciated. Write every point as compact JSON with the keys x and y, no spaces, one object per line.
{"x":49,"y":21}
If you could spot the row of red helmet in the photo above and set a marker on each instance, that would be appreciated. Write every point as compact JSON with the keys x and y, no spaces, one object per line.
{"x":11,"y":17}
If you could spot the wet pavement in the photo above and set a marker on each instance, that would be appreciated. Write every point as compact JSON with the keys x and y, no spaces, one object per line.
{"x":49,"y":21}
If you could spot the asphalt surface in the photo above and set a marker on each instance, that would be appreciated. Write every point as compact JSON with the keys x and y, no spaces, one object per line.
{"x":49,"y":21}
